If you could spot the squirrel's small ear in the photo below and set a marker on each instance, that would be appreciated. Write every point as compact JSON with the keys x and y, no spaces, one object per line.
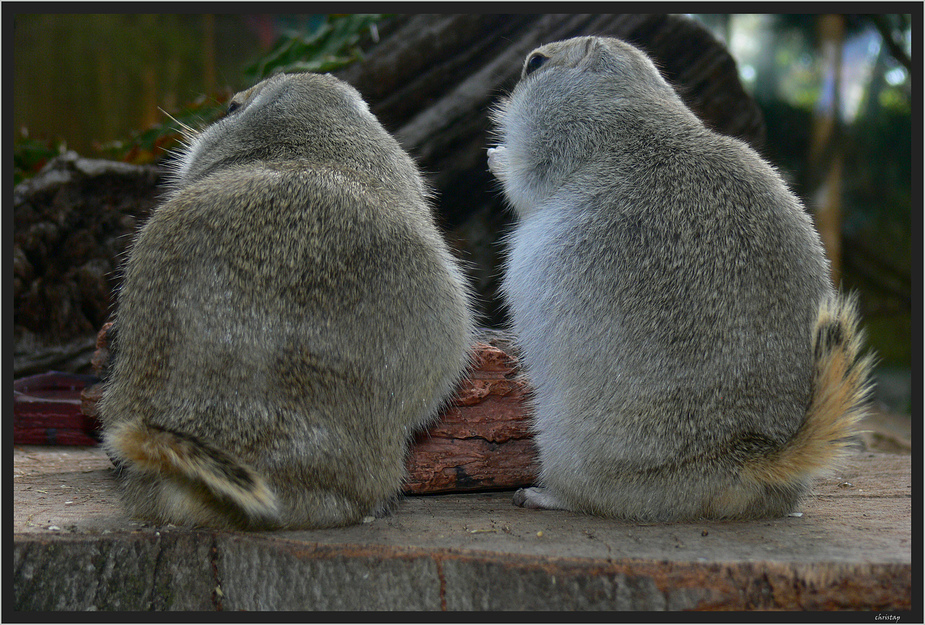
{"x":597,"y":54}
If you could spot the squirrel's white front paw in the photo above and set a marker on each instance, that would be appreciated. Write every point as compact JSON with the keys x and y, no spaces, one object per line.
{"x":496,"y":157}
{"x":538,"y":498}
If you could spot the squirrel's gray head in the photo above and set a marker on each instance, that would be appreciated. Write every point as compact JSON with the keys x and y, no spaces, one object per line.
{"x":313,"y":116}
{"x":581,"y":85}
{"x":576,"y":100}
{"x":614,"y":68}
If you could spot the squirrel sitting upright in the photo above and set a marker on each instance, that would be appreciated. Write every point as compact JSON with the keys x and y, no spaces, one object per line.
{"x":689,"y":355}
{"x":289,"y":316}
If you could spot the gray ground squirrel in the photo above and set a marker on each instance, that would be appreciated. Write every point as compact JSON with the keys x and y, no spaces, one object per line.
{"x":289,"y":316}
{"x":671,"y":299}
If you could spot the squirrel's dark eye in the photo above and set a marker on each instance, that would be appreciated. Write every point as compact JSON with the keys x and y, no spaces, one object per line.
{"x":232,"y":107}
{"x":534,"y":63}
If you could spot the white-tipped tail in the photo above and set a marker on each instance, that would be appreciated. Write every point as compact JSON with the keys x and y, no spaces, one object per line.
{"x":167,"y":453}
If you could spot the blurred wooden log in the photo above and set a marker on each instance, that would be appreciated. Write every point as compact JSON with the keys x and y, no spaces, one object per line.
{"x":72,"y":223}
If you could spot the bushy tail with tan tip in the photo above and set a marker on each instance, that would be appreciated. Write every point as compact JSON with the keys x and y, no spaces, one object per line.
{"x":841,"y":387}
{"x":172,"y":454}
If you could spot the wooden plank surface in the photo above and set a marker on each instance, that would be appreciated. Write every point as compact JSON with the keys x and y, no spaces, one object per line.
{"x":850,"y":549}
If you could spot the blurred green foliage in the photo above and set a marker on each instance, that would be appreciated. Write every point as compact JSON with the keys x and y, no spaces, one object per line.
{"x":30,"y":155}
{"x":787,"y":63}
{"x":329,"y":42}
{"x":154,"y":143}
{"x":142,"y":147}
{"x":876,"y":146}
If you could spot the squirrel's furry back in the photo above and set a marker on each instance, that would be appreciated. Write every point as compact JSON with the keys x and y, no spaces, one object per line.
{"x":289,"y":316}
{"x":665,"y":288}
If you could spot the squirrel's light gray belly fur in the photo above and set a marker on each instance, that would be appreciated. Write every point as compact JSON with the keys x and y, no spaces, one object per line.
{"x":670,"y":297}
{"x":289,"y":316}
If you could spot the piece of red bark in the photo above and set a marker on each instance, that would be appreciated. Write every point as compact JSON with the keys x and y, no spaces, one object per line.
{"x":482,"y":440}
{"x":47,"y":411}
